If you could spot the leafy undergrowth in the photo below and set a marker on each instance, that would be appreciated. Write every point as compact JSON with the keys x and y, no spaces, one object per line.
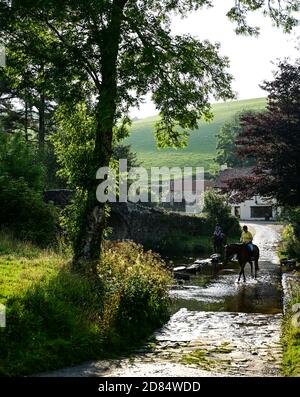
{"x":56,"y":318}
{"x":291,"y":341}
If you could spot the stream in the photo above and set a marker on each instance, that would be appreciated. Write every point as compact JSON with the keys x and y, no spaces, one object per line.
{"x":218,"y":327}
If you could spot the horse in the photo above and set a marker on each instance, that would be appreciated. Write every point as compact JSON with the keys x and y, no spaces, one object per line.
{"x":243,"y":256}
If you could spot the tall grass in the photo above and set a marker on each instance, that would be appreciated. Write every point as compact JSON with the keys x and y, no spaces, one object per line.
{"x":291,"y":340}
{"x":56,"y":318}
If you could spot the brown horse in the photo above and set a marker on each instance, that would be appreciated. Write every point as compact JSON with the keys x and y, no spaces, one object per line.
{"x":243,"y":256}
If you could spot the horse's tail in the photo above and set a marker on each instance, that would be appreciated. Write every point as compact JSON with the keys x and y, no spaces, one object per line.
{"x":256,"y":258}
{"x":258,"y":252}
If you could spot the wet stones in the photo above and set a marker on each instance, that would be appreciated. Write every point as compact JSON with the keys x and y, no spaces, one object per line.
{"x":197,"y":266}
{"x":179,"y":275}
{"x":179,"y":269}
{"x":289,"y":263}
{"x":194,"y":268}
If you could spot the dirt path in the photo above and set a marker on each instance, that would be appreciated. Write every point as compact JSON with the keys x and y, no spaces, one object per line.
{"x":240,"y":336}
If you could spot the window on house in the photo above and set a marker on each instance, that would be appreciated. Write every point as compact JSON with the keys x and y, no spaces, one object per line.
{"x":261,"y":212}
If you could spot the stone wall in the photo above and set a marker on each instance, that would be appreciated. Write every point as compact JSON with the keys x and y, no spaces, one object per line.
{"x":145,"y":224}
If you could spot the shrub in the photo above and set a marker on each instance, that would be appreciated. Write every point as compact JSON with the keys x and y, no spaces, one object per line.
{"x":136,"y":290}
{"x":290,"y":245}
{"x":23,"y":211}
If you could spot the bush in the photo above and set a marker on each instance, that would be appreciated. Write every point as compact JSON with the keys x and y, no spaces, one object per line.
{"x":64,"y":318}
{"x":290,"y":245}
{"x":20,"y":159}
{"x":136,"y":289}
{"x":23,"y":211}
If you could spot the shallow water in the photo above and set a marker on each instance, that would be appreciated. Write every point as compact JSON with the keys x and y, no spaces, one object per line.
{"x":219,"y":291}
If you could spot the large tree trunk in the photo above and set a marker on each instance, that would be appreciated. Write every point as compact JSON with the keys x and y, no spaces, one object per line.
{"x":88,"y":244}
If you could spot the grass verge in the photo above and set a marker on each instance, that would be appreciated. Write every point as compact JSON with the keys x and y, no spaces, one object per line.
{"x":56,"y":318}
{"x":291,"y":340}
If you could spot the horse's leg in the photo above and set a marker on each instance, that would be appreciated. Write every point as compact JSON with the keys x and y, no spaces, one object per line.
{"x":256,"y":265}
{"x":244,"y":273}
{"x":251,"y":264}
{"x":241,"y":271}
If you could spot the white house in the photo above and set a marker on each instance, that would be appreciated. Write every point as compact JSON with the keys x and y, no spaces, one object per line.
{"x":257,"y":208}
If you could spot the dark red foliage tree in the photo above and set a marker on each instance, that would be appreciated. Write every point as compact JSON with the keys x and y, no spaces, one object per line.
{"x":272,"y":139}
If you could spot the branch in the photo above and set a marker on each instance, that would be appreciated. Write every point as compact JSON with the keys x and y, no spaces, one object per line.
{"x":85,"y":63}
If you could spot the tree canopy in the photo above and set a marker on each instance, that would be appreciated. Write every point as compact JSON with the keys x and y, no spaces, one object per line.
{"x":227,"y":149}
{"x":272,"y":139}
{"x":109,"y":54}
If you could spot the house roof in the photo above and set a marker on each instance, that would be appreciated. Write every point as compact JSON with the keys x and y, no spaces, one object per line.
{"x":221,"y":182}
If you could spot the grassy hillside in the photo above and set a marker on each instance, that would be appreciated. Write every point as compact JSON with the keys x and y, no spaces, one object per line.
{"x":202,"y":143}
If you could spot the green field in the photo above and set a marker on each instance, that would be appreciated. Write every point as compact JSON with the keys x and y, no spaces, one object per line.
{"x":202,"y":143}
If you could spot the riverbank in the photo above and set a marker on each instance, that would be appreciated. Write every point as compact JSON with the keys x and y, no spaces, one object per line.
{"x":56,"y":318}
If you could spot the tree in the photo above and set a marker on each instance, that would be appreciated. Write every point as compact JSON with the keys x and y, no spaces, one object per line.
{"x":119,"y":50}
{"x":26,"y":102}
{"x":125,"y":152}
{"x":218,"y":211}
{"x":226,"y":144}
{"x":216,"y":206}
{"x":272,"y":139}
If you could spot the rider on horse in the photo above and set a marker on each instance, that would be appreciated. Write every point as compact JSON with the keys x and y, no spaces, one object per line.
{"x":246,"y":252}
{"x":247,"y":238}
{"x":218,"y":239}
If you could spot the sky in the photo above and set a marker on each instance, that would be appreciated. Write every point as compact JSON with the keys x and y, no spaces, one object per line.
{"x":251,"y":59}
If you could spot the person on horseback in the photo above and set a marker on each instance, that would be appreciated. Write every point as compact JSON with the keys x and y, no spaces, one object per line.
{"x":247,"y":238}
{"x":218,"y":239}
{"x":218,"y":231}
{"x":246,"y":252}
